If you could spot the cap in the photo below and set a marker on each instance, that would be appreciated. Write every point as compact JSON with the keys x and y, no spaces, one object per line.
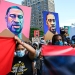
{"x":42,"y":42}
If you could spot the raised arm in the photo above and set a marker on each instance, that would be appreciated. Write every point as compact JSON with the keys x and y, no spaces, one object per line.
{"x":32,"y":51}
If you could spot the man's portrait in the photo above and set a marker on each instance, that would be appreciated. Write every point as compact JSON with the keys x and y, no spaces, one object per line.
{"x":16,"y":19}
{"x":36,"y":33}
{"x":51,"y":24}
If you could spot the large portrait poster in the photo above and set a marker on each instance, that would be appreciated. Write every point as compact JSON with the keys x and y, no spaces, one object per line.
{"x":51,"y":24}
{"x":14,"y":18}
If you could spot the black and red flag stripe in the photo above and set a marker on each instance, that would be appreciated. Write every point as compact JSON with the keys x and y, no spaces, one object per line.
{"x":58,"y":60}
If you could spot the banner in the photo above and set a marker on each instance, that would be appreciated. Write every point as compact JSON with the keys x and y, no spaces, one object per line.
{"x":51,"y":24}
{"x":15,"y":18}
{"x":7,"y":47}
{"x":58,"y":60}
{"x":36,"y":33}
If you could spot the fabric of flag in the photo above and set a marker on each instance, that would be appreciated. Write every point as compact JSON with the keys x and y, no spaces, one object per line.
{"x":58,"y":60}
{"x":7,"y":47}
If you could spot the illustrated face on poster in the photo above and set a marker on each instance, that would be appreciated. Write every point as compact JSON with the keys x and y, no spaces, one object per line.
{"x":51,"y":24}
{"x":15,"y":18}
{"x":36,"y":33}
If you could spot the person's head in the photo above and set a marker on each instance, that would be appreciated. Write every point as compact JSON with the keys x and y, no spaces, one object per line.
{"x":57,"y":40}
{"x":20,"y":50}
{"x":35,"y":45}
{"x":14,"y":18}
{"x":66,"y":29}
{"x":73,"y":39}
{"x":42,"y":42}
{"x":50,"y":20}
{"x":68,"y":40}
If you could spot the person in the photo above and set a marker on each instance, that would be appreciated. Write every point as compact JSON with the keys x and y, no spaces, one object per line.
{"x":50,"y":22}
{"x":66,"y":31}
{"x":57,"y":40}
{"x":39,"y":58}
{"x":22,"y":63}
{"x":68,"y":41}
{"x":73,"y":39}
{"x":58,"y":64}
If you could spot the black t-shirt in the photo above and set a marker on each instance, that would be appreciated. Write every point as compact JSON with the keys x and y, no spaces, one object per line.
{"x":22,"y":66}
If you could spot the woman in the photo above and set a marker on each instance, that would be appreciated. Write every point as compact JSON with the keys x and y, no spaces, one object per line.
{"x":57,"y":40}
{"x":22,"y":63}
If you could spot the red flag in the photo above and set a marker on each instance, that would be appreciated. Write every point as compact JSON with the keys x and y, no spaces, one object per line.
{"x":52,"y":50}
{"x":58,"y":60}
{"x":7,"y":47}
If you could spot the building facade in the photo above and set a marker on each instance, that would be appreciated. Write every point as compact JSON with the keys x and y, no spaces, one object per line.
{"x":37,"y":7}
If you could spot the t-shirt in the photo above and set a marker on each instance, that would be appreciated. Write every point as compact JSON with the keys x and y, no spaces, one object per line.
{"x":22,"y":66}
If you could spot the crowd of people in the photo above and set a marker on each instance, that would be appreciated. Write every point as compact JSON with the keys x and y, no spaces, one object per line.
{"x":27,"y":56}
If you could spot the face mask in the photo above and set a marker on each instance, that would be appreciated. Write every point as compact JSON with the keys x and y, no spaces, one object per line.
{"x":73,"y":42}
{"x":59,"y":43}
{"x":20,"y":53}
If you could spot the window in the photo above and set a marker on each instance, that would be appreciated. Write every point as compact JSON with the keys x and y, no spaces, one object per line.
{"x":39,"y":19}
{"x":40,"y":16}
{"x":38,"y":7}
{"x":40,"y":26}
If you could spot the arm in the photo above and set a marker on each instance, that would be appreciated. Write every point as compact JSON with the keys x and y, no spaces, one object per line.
{"x":32,"y":52}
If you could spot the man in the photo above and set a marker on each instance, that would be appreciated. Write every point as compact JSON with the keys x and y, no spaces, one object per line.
{"x":15,"y":18}
{"x":50,"y":22}
{"x":66,"y":31}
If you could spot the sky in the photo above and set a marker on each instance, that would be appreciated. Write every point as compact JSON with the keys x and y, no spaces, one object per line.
{"x":65,"y":9}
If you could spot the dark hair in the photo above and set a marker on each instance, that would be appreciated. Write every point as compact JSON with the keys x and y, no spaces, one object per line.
{"x":73,"y":37}
{"x":16,"y":7}
{"x":54,"y":38}
{"x":40,"y":45}
{"x":17,"y":44}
